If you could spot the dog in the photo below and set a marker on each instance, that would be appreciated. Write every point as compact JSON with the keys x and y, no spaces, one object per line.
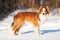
{"x":36,"y":18}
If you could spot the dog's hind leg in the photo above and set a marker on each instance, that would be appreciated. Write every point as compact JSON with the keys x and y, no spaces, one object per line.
{"x":14,"y":24}
{"x":18,"y":26}
{"x":17,"y":30}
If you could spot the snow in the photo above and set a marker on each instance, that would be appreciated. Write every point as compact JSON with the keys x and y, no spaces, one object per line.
{"x":50,"y":30}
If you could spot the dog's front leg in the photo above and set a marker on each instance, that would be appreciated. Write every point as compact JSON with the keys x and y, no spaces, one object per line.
{"x":36,"y":26}
{"x":36,"y":30}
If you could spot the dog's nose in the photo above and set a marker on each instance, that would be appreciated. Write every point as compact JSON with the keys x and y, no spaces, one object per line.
{"x":43,"y":13}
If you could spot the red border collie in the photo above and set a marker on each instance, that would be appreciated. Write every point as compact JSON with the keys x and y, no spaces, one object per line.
{"x":34,"y":17}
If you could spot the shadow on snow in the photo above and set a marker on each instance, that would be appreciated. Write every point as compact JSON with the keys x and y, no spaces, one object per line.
{"x":42,"y":31}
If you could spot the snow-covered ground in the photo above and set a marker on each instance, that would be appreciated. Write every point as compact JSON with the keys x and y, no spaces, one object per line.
{"x":50,"y":30}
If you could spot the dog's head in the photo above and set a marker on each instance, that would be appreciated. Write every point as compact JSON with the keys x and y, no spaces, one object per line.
{"x":44,"y":10}
{"x":43,"y":13}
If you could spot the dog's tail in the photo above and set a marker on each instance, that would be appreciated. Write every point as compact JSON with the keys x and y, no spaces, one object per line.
{"x":12,"y":24}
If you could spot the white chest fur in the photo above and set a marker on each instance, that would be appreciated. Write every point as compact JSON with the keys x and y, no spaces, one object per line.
{"x":42,"y":18}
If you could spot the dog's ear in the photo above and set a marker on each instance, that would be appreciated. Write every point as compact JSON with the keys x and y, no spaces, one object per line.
{"x":40,"y":8}
{"x":47,"y":9}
